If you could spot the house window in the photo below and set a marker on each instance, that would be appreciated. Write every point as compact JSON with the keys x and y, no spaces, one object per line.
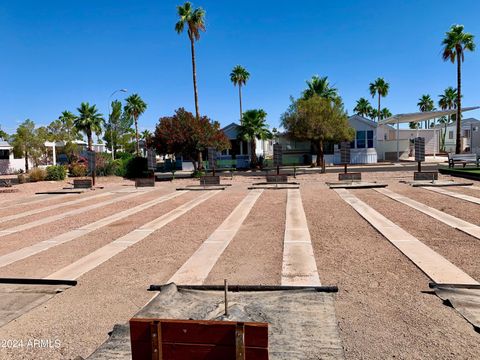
{"x":360,"y":139}
{"x":4,"y":154}
{"x":450,"y":135}
{"x":466,"y":133}
{"x":370,"y":138}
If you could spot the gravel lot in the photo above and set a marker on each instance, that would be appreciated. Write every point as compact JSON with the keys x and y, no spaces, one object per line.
{"x":384,"y":307}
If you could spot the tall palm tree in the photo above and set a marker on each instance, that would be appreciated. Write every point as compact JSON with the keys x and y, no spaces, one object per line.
{"x":253,"y":126}
{"x":134,"y":107}
{"x":425,"y":104}
{"x":447,"y":101}
{"x":89,"y":120}
{"x":320,"y":86}
{"x":363,"y":107}
{"x":194,"y":19}
{"x":455,"y":43}
{"x":379,"y":87}
{"x":239,"y":76}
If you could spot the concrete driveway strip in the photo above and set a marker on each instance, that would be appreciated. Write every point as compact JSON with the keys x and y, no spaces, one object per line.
{"x":435,"y":266}
{"x":465,"y":197}
{"x":52,"y":207}
{"x":84,"y":230}
{"x":98,"y":257}
{"x":459,"y":224}
{"x":299,"y":267}
{"x":196,"y":269}
{"x":52,"y":218}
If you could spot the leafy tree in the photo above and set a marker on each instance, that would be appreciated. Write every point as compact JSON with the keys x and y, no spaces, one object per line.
{"x":317,"y":120}
{"x":363,"y":107}
{"x":28,"y":142}
{"x":188,"y":135}
{"x":3,"y":135}
{"x":379,"y":87}
{"x":447,"y":101}
{"x":321,"y":87}
{"x":425,"y":104}
{"x":253,"y":126}
{"x":194,"y":19}
{"x":118,"y":129}
{"x":239,"y":76}
{"x":135,"y":107}
{"x":455,"y":43}
{"x":89,"y":120}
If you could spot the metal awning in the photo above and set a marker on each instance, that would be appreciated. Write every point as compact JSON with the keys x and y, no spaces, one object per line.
{"x":421,"y":116}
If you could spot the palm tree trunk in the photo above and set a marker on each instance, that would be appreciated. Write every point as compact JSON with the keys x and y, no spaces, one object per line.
{"x":320,"y":159}
{"x":194,"y":71}
{"x":240,"y":96}
{"x":253,"y":149}
{"x":26,"y":160}
{"x":89,"y":140}
{"x":137,"y":146}
{"x":458,"y":145}
{"x":378,"y":115}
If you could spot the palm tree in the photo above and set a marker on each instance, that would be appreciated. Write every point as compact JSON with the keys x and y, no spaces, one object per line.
{"x":379,"y":87}
{"x":385,"y":113}
{"x":320,"y":86}
{"x":239,"y":76}
{"x":253,"y":127}
{"x":425,"y":104}
{"x":195,"y":21}
{"x":455,"y":43}
{"x":447,"y":101}
{"x":133,"y":108}
{"x":89,"y":120}
{"x":363,"y":107}
{"x":146,"y":134}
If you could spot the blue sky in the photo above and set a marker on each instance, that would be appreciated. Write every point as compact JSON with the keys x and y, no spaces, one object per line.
{"x":56,"y":54}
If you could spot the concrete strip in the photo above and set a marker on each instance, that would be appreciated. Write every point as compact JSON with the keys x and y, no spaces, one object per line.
{"x":474,"y":187}
{"x":465,"y":197}
{"x":98,"y":257}
{"x":26,"y":201}
{"x":299,"y":267}
{"x":196,"y":269}
{"x":84,"y":230}
{"x":435,"y":266}
{"x":51,"y":207}
{"x":459,"y":224}
{"x":52,"y":218}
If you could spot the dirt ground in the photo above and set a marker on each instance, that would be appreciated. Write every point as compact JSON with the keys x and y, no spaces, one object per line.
{"x":384,"y":307}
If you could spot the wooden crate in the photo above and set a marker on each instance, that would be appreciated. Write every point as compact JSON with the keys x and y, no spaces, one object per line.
{"x":160,"y":339}
{"x":425,"y":175}
{"x":82,"y":183}
{"x":210,"y":180}
{"x":350,"y":176}
{"x":277,"y":178}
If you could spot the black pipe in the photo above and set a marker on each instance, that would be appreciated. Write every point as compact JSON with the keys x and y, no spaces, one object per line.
{"x":36,"y":281}
{"x":251,"y":288}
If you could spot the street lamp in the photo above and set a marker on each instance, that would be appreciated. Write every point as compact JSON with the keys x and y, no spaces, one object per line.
{"x":109,"y":119}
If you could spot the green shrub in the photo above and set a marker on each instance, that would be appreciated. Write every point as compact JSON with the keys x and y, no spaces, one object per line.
{"x":78,"y":170}
{"x":37,"y":174}
{"x":198,"y":173}
{"x":137,"y":167}
{"x":56,"y":172}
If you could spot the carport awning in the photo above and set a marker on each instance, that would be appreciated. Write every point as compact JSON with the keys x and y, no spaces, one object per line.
{"x":421,"y":116}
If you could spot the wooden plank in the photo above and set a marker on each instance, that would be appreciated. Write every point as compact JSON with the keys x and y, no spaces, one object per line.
{"x":197,"y":339}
